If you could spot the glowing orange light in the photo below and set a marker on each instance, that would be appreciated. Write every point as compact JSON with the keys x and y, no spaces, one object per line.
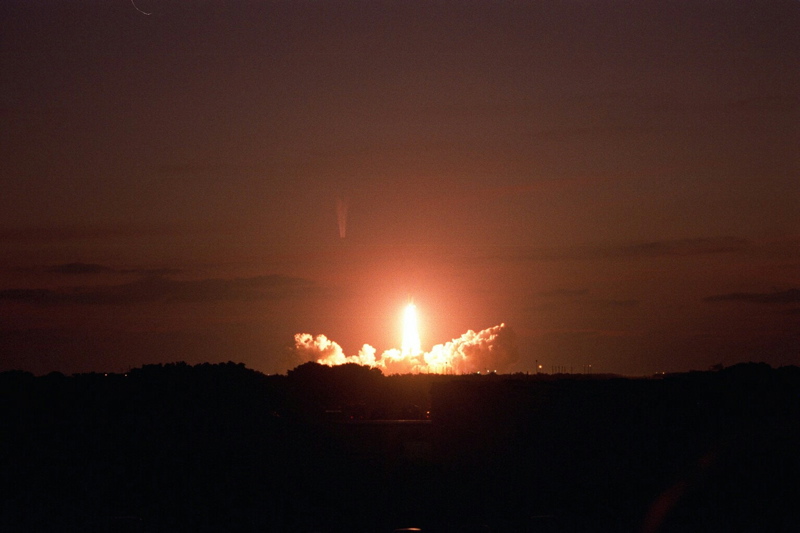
{"x":466,"y":354}
{"x":411,"y":344}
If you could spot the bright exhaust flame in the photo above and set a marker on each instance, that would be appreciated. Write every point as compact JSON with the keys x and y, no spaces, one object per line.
{"x":492,"y":349}
{"x":411,"y":344}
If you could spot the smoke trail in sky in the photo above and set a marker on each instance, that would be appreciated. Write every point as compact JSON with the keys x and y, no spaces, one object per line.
{"x":139,"y":10}
{"x":492,"y":349}
{"x":341,"y":214}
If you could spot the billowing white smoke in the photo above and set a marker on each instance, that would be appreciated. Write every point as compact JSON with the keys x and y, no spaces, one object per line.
{"x":492,"y":349}
{"x":325,"y":351}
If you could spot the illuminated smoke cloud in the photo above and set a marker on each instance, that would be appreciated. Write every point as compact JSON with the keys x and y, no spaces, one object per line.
{"x":492,"y":349}
{"x":309,"y":347}
{"x":325,"y":351}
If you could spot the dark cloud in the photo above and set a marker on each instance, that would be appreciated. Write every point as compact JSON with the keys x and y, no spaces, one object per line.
{"x":42,"y":296}
{"x":650,"y":249}
{"x":79,"y":268}
{"x":682,"y":247}
{"x":789,"y":296}
{"x":161,"y":289}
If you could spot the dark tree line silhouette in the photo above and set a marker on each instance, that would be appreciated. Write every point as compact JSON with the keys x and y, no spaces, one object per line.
{"x":221,"y":447}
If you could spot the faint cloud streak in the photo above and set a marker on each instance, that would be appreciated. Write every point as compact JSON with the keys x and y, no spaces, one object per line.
{"x":160,"y":289}
{"x":789,"y":296}
{"x":93,"y":268}
{"x":643,"y":250}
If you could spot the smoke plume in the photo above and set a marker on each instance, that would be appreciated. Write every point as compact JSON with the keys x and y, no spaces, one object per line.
{"x":341,"y":214}
{"x":492,"y":349}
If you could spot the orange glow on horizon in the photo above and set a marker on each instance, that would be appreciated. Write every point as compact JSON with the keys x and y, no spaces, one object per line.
{"x":473,"y":351}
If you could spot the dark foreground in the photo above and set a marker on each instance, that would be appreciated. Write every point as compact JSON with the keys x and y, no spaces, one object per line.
{"x":223,"y":448}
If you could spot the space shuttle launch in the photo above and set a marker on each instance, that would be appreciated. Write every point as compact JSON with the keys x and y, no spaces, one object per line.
{"x":492,"y":349}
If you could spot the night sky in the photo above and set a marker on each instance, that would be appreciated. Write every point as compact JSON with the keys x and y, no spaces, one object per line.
{"x":616,"y":181}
